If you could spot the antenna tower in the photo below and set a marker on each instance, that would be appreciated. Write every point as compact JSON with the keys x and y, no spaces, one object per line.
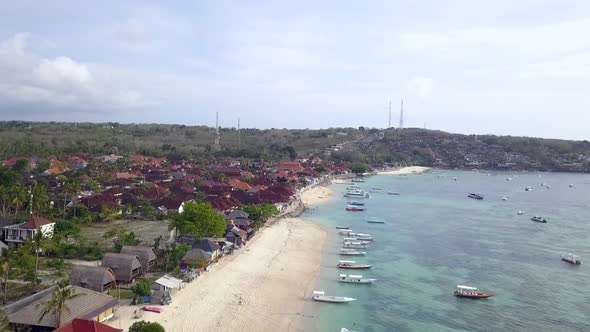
{"x":401,"y":115}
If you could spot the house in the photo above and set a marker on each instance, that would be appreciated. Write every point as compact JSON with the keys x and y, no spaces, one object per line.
{"x":210,"y":247}
{"x":291,"y":166}
{"x":146,"y":256}
{"x":126,"y":267}
{"x":3,"y":223}
{"x":167,"y":283}
{"x":27,"y":314}
{"x":239,"y":185}
{"x":15,"y":235}
{"x":31,"y":163}
{"x":237,"y":214}
{"x":85,"y":325}
{"x":226,"y":247}
{"x":196,"y":258}
{"x":77,"y":162}
{"x":97,"y":278}
{"x":236,"y":236}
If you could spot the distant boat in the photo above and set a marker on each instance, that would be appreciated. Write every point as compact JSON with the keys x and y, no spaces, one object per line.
{"x":355,"y":279}
{"x":353,"y":188}
{"x":344,"y":329}
{"x":351,"y":252}
{"x":505,"y":198}
{"x":354,"y":245}
{"x":350,"y":265}
{"x":375,"y":220}
{"x":571,"y":185}
{"x":539,"y":219}
{"x":393,"y":193}
{"x":356,"y":193}
{"x":475,"y":196}
{"x":470,"y":292}
{"x":353,"y":240}
{"x":358,"y":180}
{"x":361,"y":236}
{"x":520,"y":212}
{"x":342,"y":227}
{"x":356,"y":203}
{"x":376,"y":189}
{"x":571,"y":258}
{"x":508,"y":179}
{"x":346,"y":231}
{"x":322,"y":297}
{"x":528,"y":189}
{"x":455,"y":178}
{"x":355,"y":208}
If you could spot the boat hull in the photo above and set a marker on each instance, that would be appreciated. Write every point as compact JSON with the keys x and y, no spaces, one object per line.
{"x":473,"y":295}
{"x":366,"y":281}
{"x":573,"y":262}
{"x":355,"y":267}
{"x":331,"y":299}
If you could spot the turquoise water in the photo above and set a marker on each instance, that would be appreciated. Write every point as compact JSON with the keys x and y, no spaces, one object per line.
{"x":435,"y":238}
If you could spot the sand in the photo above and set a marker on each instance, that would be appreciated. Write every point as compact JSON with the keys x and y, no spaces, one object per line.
{"x":316,"y":195}
{"x":405,"y":170}
{"x":262,"y":287}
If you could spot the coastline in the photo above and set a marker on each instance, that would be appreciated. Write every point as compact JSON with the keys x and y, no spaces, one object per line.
{"x":262,"y":287}
{"x":405,"y":170}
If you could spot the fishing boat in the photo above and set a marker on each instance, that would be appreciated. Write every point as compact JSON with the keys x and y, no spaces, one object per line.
{"x":362,"y":236}
{"x":355,"y":245}
{"x":355,"y":208}
{"x":539,"y":219}
{"x":520,"y":212}
{"x":393,"y":193}
{"x":571,"y":258}
{"x":322,"y":297}
{"x":470,"y":292}
{"x":475,"y":196}
{"x":375,"y":220}
{"x":355,"y":279}
{"x":350,"y":265}
{"x":356,"y":203}
{"x":356,"y":193}
{"x":354,"y":239}
{"x":351,"y":252}
{"x":358,"y":180}
{"x":528,"y":189}
{"x":353,"y":188}
{"x":346,"y":232}
{"x":342,"y":227}
{"x":504,"y":198}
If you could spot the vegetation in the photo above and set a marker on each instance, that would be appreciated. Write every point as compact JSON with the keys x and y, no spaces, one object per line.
{"x":143,"y":326}
{"x":359,"y":168}
{"x":57,"y":305}
{"x":140,"y":290}
{"x":200,"y":220}
{"x":260,"y":213}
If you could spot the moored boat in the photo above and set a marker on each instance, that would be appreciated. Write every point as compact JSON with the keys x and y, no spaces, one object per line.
{"x":571,"y":258}
{"x":470,"y":292}
{"x":475,"y":196}
{"x":356,"y":203}
{"x":355,"y":245}
{"x":396,"y":193}
{"x":322,"y":297}
{"x":528,"y":189}
{"x":374,"y":220}
{"x":358,"y":180}
{"x":504,"y":198}
{"x":351,"y":252}
{"x":346,"y":232}
{"x":539,"y":219}
{"x":355,"y":279}
{"x":355,"y":208}
{"x":354,"y":239}
{"x":350,"y":265}
{"x":520,"y":212}
{"x":342,"y":227}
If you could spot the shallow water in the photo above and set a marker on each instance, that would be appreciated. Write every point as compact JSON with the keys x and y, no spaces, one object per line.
{"x":435,"y":238}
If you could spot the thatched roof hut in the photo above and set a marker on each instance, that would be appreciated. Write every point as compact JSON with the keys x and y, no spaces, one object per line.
{"x":126,"y":267}
{"x":146,"y":256}
{"x":97,"y":278}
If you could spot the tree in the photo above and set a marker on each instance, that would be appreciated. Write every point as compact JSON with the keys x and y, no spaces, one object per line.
{"x":72,"y":187}
{"x":67,"y":229}
{"x":40,"y":200}
{"x":199,"y":219}
{"x":359,"y":168}
{"x":37,"y":245}
{"x":4,"y":321}
{"x":20,"y":166}
{"x":140,"y":290}
{"x":7,"y":260}
{"x":109,"y":214}
{"x":143,"y":326}
{"x":4,"y":198}
{"x":57,"y":304}
{"x":124,"y":238}
{"x":19,"y":197}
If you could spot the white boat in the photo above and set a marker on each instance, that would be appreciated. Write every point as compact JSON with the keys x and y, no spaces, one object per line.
{"x":354,"y":240}
{"x":346,"y":232}
{"x":528,"y":189}
{"x":505,"y":198}
{"x":520,"y":212}
{"x":362,"y":236}
{"x":355,"y":279}
{"x":322,"y":297}
{"x":351,"y":252}
{"x":374,"y":220}
{"x":354,"y":245}
{"x":344,"y":329}
{"x":353,"y":188}
{"x":393,"y":193}
{"x":350,"y":265}
{"x":356,"y":193}
{"x":570,"y":258}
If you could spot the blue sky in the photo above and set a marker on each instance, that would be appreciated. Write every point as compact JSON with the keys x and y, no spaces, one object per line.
{"x":503,"y":67}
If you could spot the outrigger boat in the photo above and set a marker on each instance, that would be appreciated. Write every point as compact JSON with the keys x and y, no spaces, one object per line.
{"x":355,"y":208}
{"x":539,"y":219}
{"x":355,"y":245}
{"x":571,"y":258}
{"x":342,"y":227}
{"x":356,"y":203}
{"x":322,"y":297}
{"x":470,"y":292}
{"x":375,"y":220}
{"x":350,"y":265}
{"x":355,"y":279}
{"x":351,"y":252}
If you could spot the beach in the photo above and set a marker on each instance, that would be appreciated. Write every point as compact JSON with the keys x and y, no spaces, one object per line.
{"x":262,"y":287}
{"x":405,"y":170}
{"x":316,"y":195}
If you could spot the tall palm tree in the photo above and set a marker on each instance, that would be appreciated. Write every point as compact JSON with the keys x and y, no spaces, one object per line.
{"x":41,"y":199}
{"x":7,"y":260}
{"x":19,"y":197}
{"x":57,"y":305}
{"x":37,"y":245}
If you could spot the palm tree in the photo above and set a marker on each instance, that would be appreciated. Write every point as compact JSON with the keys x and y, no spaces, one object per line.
{"x":37,"y":245}
{"x":7,"y":259}
{"x":58,"y":303}
{"x":19,"y":197}
{"x":41,"y":199}
{"x":5,"y":198}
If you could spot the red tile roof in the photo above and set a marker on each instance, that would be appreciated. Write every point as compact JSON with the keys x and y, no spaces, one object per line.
{"x":83,"y":325}
{"x":291,"y":166}
{"x":239,"y":185}
{"x":35,"y":222}
{"x":11,"y":162}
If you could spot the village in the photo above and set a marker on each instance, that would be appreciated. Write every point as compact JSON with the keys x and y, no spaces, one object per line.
{"x":82,"y":236}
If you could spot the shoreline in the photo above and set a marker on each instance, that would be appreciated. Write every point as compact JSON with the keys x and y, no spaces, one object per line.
{"x":405,"y":170}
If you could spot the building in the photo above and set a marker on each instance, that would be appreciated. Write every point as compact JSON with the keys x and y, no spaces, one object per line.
{"x":98,"y":278}
{"x":125,"y":267}
{"x":146,"y":256}
{"x":27,"y":314}
{"x":15,"y":235}
{"x":84,"y":325}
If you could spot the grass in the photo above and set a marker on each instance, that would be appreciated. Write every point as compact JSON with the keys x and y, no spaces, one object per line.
{"x":146,"y":230}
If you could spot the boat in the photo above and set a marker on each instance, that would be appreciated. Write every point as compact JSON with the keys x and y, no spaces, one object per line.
{"x":351,"y":252}
{"x":528,"y":189}
{"x":393,"y":193}
{"x":344,"y":329}
{"x":475,"y":196}
{"x":505,"y":198}
{"x":375,"y":220}
{"x":346,"y":232}
{"x":356,"y":193}
{"x":455,"y":178}
{"x":355,"y":208}
{"x":571,"y":185}
{"x":342,"y":227}
{"x":520,"y":212}
{"x":376,"y":188}
{"x":357,"y":180}
{"x":508,"y":179}
{"x":571,"y":258}
{"x":355,"y":279}
{"x":353,"y":188}
{"x":350,"y":265}
{"x":470,"y":292}
{"x":353,"y":240}
{"x":539,"y":219}
{"x":356,"y":203}
{"x":322,"y":297}
{"x":153,"y":309}
{"x":355,"y":245}
{"x":360,"y":236}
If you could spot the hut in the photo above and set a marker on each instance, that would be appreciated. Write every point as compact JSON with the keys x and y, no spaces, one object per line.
{"x":196,"y":257}
{"x":97,"y":278}
{"x":146,"y":256}
{"x":125,"y":267}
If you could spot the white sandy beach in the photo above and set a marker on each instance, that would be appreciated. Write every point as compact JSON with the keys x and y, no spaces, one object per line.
{"x":316,"y":195}
{"x":405,"y":170}
{"x":262,"y":287}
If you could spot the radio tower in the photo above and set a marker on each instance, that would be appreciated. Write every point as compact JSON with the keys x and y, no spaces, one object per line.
{"x":217,"y":129}
{"x":389,"y":115}
{"x":401,"y":115}
{"x":239,"y":137}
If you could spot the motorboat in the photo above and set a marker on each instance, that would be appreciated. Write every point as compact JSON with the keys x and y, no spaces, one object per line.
{"x":505,"y":198}
{"x":475,"y":196}
{"x":354,"y":239}
{"x":358,"y":180}
{"x":353,"y":188}
{"x":355,"y":208}
{"x":470,"y":292}
{"x":344,"y":329}
{"x":539,"y":219}
{"x":342,"y":227}
{"x":362,"y":236}
{"x":358,"y":193}
{"x":355,"y":279}
{"x":351,"y":252}
{"x":520,"y":212}
{"x":393,"y":193}
{"x":571,"y":258}
{"x":350,"y":265}
{"x":356,"y":203}
{"x":375,"y":220}
{"x":528,"y":189}
{"x":346,"y":232}
{"x":355,"y":245}
{"x":322,"y":297}
{"x":571,"y":185}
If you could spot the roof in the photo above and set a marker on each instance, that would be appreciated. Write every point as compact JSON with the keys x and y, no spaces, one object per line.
{"x":169,"y":281}
{"x":239,"y":185}
{"x":121,"y":264}
{"x":197,"y":255}
{"x":83,"y":325}
{"x":466,"y":287}
{"x":206,"y":245}
{"x":144,"y":253}
{"x":92,"y":277}
{"x":85,"y":304}
{"x":235,"y":214}
{"x":35,"y":222}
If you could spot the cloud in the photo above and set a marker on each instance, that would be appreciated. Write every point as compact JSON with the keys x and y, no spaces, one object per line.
{"x":62,"y":70}
{"x":421,"y":86}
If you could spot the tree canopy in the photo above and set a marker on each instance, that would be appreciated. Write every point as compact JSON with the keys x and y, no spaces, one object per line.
{"x":200,"y":220}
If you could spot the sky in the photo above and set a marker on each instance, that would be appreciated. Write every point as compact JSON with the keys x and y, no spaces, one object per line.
{"x":485,"y":67}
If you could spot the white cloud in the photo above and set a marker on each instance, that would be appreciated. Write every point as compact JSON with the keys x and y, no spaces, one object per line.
{"x":62,"y":70}
{"x":15,"y":44}
{"x":421,"y":86}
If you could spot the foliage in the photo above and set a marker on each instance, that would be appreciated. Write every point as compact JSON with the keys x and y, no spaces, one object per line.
{"x":4,"y":321}
{"x":7,"y":260}
{"x":199,"y":219}
{"x":142,"y":288}
{"x":109,"y":214}
{"x":67,"y":228}
{"x":8,"y":177}
{"x":57,"y":304}
{"x":121,"y":237}
{"x":260,"y":212}
{"x":359,"y":168}
{"x":143,"y":326}
{"x":174,"y":254}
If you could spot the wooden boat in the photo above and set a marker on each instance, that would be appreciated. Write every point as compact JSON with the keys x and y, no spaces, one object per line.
{"x":356,"y":203}
{"x":571,"y":258}
{"x":374,"y":220}
{"x":346,"y":232}
{"x":470,"y":292}
{"x":393,"y":193}
{"x":153,"y":309}
{"x":354,"y":245}
{"x":351,"y":252}
{"x":342,"y":227}
{"x":322,"y":297}
{"x":355,"y":208}
{"x":350,"y":265}
{"x":355,"y":279}
{"x":475,"y":196}
{"x":539,"y":219}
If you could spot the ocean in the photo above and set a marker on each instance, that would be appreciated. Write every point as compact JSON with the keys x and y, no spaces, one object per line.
{"x":436,"y":238}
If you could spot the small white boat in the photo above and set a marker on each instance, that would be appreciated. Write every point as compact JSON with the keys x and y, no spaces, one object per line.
{"x":393,"y":193}
{"x":346,"y":232}
{"x":350,"y":265}
{"x":570,"y":258}
{"x":351,"y":252}
{"x":354,"y":240}
{"x":528,"y":189}
{"x":505,"y":198}
{"x":355,"y":279}
{"x":520,"y":212}
{"x":354,"y":245}
{"x":374,"y":220}
{"x":344,"y":329}
{"x":322,"y":297}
